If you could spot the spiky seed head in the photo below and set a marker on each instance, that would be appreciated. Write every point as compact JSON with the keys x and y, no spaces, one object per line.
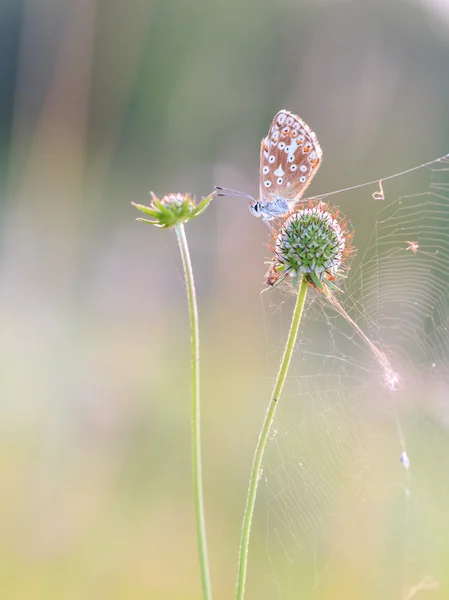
{"x":172,"y":209}
{"x":312,"y":241}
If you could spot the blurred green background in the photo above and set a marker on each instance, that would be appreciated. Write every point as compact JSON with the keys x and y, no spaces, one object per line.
{"x":101,"y":101}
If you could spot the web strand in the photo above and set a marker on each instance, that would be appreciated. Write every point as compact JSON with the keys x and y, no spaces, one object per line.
{"x":379,"y":181}
{"x":390,"y":377}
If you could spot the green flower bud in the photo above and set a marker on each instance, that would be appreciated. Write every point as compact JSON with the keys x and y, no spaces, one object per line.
{"x":173,"y":209}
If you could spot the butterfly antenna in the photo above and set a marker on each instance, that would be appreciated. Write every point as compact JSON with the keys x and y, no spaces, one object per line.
{"x":228,"y":192}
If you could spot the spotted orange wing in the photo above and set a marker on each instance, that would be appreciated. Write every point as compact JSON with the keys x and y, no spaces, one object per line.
{"x":290,"y":156}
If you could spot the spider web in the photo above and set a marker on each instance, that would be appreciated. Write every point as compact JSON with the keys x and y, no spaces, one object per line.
{"x":355,"y":483}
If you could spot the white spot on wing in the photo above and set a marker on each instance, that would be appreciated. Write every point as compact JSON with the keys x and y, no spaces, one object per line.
{"x":293,"y":146}
{"x":279,"y":171}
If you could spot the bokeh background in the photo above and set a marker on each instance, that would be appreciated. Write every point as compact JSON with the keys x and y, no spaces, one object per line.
{"x":101,"y":101}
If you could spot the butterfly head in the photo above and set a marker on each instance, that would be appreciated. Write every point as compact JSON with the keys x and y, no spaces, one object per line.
{"x":256,"y":208}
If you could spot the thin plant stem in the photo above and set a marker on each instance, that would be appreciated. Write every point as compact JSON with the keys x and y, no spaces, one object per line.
{"x":263,"y":438}
{"x":196,"y":425}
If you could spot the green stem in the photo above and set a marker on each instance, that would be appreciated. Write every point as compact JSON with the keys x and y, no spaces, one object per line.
{"x":196,"y":426}
{"x":263,"y":438}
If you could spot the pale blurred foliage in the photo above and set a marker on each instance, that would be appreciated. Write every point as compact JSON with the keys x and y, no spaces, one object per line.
{"x":102,"y":101}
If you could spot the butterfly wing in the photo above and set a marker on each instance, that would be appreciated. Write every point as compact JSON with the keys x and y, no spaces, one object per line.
{"x":290,"y":156}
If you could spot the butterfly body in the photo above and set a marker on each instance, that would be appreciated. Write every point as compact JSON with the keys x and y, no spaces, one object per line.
{"x":269,"y":210}
{"x":290,"y":156}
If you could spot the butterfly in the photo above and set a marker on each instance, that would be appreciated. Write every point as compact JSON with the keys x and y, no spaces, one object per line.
{"x":290,"y":156}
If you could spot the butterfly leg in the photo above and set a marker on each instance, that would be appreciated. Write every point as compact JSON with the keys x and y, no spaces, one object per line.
{"x":268,"y":225}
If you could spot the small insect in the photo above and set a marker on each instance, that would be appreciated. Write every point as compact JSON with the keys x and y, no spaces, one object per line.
{"x":271,"y":276}
{"x":290,"y":156}
{"x":413,"y":246}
